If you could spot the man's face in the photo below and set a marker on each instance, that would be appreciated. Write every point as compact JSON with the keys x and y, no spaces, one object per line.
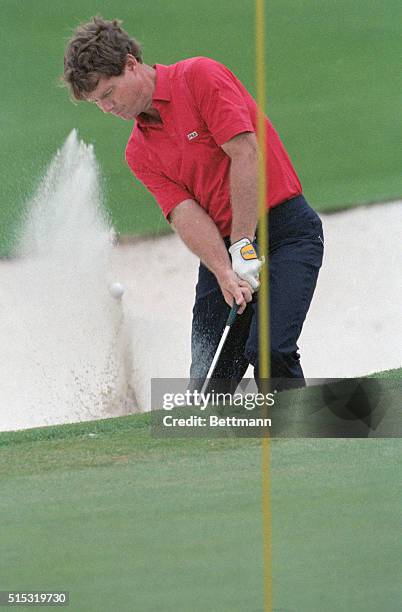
{"x":124,"y":96}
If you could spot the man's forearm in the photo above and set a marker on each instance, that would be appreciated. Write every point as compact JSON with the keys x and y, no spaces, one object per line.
{"x":198,"y":231}
{"x":244,"y":197}
{"x":200,"y":234}
{"x":243,"y":153}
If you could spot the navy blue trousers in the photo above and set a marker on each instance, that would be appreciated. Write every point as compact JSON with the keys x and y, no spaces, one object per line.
{"x":295,"y":257}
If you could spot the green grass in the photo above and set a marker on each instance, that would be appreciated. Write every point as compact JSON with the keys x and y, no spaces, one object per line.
{"x":391,"y":374}
{"x":127,"y":521}
{"x":333,"y":93}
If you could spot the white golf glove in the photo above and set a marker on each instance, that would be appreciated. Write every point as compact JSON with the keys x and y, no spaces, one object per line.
{"x":245,"y":262}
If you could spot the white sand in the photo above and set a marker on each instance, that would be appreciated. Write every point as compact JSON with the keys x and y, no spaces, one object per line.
{"x":354,"y":326}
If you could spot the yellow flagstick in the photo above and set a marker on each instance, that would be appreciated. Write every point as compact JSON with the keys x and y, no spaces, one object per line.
{"x":263,"y":295}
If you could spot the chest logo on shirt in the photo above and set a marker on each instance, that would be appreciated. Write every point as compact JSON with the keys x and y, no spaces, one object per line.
{"x":192,"y":135}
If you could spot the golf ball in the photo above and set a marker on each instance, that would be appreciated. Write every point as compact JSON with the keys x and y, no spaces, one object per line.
{"x":116,"y":290}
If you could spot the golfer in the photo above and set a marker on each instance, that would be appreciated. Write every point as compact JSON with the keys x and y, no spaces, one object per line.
{"x":194,"y":147}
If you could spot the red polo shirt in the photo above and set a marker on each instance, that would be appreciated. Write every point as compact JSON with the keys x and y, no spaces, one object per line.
{"x":202,"y":105}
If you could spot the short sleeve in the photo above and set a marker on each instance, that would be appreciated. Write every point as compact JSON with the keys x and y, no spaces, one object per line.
{"x":220,"y":99}
{"x":166,"y":192}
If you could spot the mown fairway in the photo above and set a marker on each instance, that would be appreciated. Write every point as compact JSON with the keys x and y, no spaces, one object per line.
{"x":127,"y":521}
{"x":130,"y":523}
{"x":333,"y":92}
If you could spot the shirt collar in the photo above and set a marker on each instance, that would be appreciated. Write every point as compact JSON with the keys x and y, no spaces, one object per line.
{"x":160,"y":94}
{"x":162,"y":86}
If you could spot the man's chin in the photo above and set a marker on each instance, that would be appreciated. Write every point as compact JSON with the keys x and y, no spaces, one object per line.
{"x":124,"y":116}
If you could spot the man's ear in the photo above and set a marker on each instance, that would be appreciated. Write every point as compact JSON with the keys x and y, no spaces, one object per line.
{"x":131,"y":63}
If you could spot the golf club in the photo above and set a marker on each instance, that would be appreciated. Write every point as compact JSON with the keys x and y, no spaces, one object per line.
{"x":230,"y":320}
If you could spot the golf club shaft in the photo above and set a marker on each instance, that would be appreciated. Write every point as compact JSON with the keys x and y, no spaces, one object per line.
{"x":231,"y":319}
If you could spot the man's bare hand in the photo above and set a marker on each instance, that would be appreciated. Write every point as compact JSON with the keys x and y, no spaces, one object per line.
{"x":235,"y":288}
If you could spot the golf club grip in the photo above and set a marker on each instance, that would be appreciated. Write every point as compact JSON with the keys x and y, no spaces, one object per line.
{"x":232,"y":314}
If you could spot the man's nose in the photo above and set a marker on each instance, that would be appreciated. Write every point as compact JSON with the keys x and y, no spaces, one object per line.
{"x":106,"y":105}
